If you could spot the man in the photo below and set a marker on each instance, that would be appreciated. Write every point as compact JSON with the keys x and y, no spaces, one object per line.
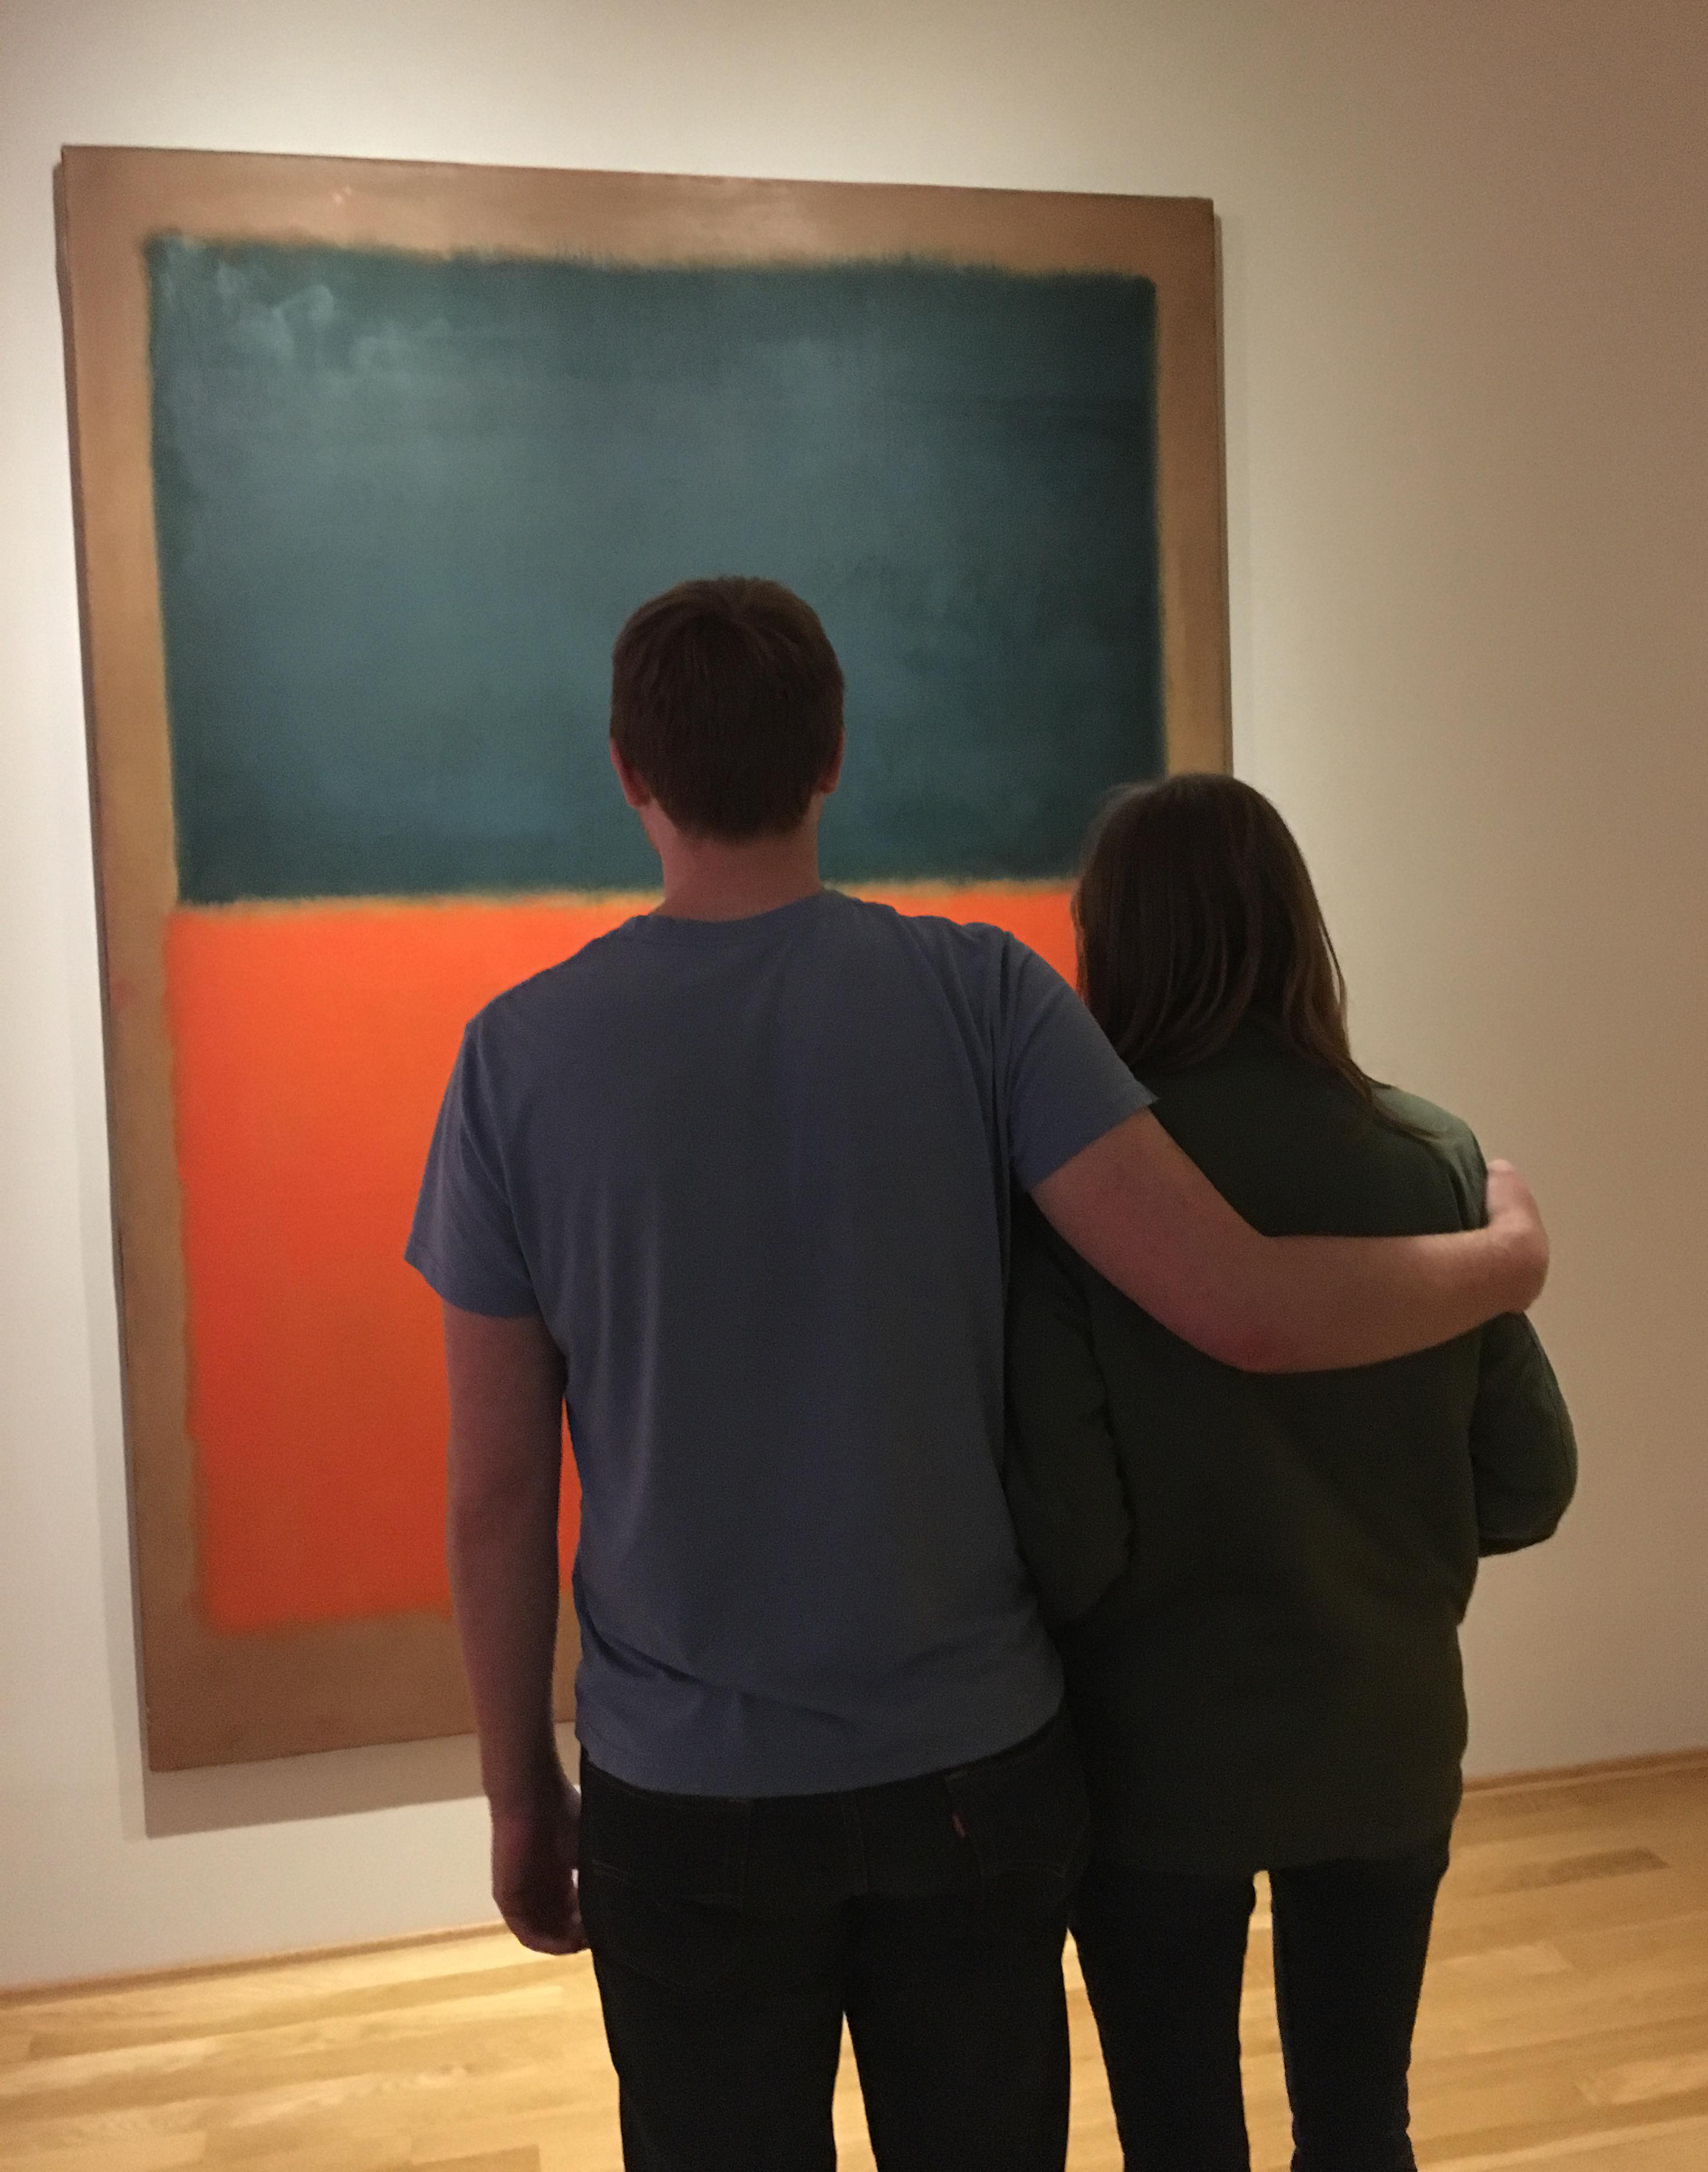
{"x":733,"y":1183}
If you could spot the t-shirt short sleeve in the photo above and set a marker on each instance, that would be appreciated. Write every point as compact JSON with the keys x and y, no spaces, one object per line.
{"x":464,"y":1241}
{"x":1066,"y":1086}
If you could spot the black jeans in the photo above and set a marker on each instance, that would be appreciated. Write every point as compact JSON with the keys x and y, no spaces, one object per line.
{"x":730,"y":1937}
{"x":1163,"y":1955}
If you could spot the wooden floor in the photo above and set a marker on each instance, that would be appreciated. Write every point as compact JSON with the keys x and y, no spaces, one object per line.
{"x":1566,"y":2024}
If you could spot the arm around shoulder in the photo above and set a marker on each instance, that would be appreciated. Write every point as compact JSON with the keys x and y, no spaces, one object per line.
{"x":1149,"y":1220}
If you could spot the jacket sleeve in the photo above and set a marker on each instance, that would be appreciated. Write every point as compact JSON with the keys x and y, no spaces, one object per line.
{"x":1523,"y":1452}
{"x":1060,"y":1470}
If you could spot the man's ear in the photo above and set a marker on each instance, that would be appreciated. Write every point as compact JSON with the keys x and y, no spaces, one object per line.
{"x":828,"y":782}
{"x":634,"y":790}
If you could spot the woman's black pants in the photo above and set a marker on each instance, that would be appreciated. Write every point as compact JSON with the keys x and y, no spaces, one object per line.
{"x":1163,"y":1956}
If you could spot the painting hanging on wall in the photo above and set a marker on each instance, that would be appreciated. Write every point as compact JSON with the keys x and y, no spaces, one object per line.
{"x":372,"y":461}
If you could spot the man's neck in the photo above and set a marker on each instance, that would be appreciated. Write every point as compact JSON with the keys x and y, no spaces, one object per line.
{"x":706,"y":879}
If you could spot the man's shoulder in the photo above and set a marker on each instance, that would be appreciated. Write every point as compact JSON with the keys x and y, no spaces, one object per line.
{"x":980,"y":959}
{"x":882,"y":919}
{"x":977,"y":950}
{"x":545,"y":997}
{"x":861,"y":953}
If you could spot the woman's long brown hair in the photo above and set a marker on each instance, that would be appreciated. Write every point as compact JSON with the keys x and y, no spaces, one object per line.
{"x":1194,"y":911}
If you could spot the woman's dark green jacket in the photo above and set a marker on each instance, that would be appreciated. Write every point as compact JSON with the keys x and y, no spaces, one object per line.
{"x":1258,"y":1582}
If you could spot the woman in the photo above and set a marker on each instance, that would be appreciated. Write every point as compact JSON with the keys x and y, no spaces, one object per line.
{"x":1258,"y":1582}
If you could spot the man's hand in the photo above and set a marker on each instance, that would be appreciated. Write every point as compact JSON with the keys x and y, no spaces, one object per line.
{"x":535,"y":1852}
{"x":1512,"y":1210}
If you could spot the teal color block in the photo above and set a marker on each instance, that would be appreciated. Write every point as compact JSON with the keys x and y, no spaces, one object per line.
{"x":404,"y":504}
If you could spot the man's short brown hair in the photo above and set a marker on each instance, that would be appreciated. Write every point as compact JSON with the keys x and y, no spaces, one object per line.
{"x":727,"y":704}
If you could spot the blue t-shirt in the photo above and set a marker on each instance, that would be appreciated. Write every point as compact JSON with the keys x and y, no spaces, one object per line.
{"x":756,"y":1175}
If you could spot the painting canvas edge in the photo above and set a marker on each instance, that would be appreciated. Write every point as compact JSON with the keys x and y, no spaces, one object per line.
{"x":212,"y":1699}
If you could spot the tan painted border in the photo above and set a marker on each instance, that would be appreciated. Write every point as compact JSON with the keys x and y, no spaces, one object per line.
{"x":213,"y":1699}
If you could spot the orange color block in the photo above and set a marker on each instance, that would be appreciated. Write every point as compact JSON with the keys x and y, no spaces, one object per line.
{"x":311,"y":1046}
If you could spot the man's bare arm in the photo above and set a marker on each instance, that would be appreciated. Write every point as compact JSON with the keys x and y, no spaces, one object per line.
{"x":1148,"y":1219}
{"x":506,"y":1381}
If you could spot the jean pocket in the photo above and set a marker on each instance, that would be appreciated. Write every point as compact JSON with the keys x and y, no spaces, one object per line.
{"x":1026,"y":1812}
{"x":685,"y":1944}
{"x":662,"y":1879}
{"x":691,"y":1844}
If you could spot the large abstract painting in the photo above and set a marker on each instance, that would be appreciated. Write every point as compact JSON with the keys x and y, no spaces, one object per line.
{"x":372,"y":461}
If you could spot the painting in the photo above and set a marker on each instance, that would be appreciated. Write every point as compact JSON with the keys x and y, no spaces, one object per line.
{"x":371,"y":462}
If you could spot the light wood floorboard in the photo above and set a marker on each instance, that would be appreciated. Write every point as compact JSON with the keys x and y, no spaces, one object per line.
{"x":1564,"y":2023}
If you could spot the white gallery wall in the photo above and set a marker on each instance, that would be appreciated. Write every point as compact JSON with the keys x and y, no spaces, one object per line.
{"x":1466,"y":279}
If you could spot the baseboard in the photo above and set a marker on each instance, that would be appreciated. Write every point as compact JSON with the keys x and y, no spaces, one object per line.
{"x":1507,"y":1783}
{"x":1610,"y":1768}
{"x":208,"y":1971}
